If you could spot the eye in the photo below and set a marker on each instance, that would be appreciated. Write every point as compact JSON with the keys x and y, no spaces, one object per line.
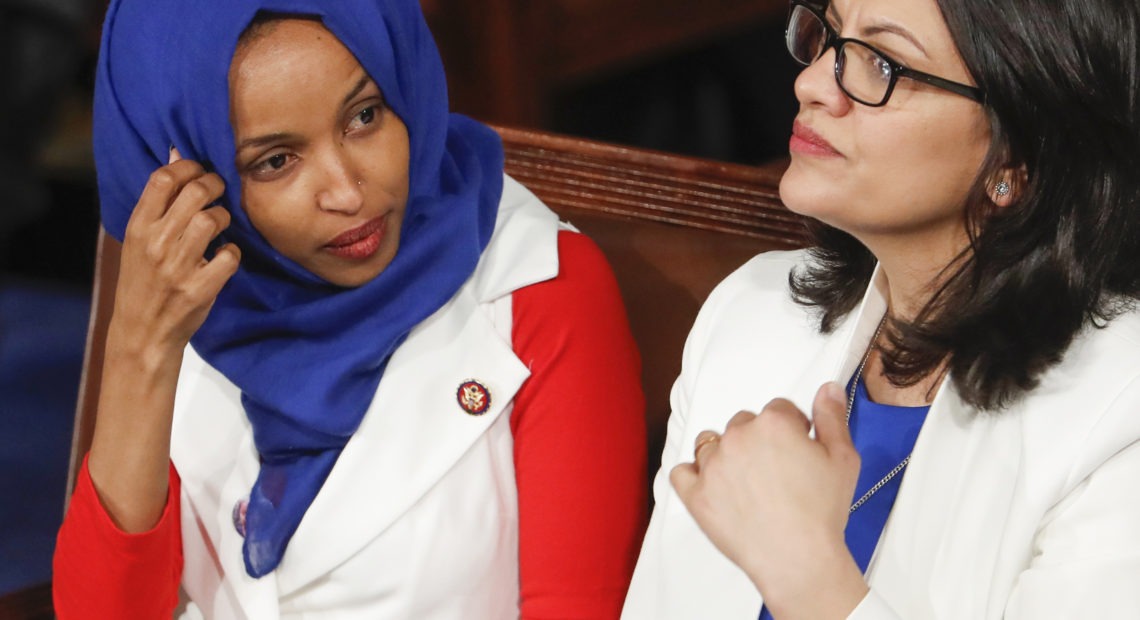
{"x":363,"y":118}
{"x":271,"y":167}
{"x":276,"y":162}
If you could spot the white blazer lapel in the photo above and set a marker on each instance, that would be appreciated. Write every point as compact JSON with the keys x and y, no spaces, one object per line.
{"x":413,"y":433}
{"x":959,"y":486}
{"x":842,"y":353}
{"x":945,"y":494}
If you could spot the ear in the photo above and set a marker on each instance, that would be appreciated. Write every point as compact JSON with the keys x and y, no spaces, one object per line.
{"x":1006,"y":186}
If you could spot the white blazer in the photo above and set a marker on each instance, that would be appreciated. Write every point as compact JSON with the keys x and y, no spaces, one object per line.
{"x":418,"y":519}
{"x":1028,"y":514}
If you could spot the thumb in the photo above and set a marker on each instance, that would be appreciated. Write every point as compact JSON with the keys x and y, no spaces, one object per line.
{"x":829,"y":414}
{"x":174,"y":155}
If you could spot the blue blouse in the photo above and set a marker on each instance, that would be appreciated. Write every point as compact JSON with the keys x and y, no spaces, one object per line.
{"x":884,"y":435}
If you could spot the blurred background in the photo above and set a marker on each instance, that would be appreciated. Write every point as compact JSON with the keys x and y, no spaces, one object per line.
{"x":708,"y":78}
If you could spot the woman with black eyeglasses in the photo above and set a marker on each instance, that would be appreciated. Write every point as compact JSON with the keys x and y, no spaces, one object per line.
{"x":935,"y":411}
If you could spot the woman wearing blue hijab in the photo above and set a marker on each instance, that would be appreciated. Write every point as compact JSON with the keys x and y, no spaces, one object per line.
{"x":408,"y":391}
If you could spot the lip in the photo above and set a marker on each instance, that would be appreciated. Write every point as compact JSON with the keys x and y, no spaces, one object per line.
{"x":360,"y":242}
{"x":808,"y":142}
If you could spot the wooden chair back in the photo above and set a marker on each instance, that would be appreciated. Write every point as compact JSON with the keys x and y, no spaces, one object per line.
{"x":671,"y":227}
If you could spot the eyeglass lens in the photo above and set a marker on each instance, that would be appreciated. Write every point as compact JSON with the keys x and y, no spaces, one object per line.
{"x":805,"y":35}
{"x":862,"y":72}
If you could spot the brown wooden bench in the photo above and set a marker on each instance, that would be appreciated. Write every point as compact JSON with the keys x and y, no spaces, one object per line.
{"x":672,"y":227}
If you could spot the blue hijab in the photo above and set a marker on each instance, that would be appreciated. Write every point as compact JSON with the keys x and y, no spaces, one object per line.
{"x":307,"y":356}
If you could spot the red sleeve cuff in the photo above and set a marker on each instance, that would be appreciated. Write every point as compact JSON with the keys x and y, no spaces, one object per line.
{"x":101,"y":571}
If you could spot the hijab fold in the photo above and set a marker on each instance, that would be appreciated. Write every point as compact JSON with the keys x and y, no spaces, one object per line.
{"x":306,"y":355}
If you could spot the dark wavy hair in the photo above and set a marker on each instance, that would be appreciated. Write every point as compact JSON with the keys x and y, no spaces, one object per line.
{"x":1062,"y":84}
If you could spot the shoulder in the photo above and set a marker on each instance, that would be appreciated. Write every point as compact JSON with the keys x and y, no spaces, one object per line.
{"x":583,"y":295}
{"x":582,"y":268}
{"x":751,"y":342}
{"x":523,"y":248}
{"x":549,"y":270}
{"x":1101,"y":366}
{"x":1087,"y":408}
{"x":762,"y":280}
{"x":572,"y":333}
{"x":755,"y":299}
{"x":766,"y":270}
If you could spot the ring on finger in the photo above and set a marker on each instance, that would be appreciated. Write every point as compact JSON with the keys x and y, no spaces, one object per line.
{"x":704,"y":441}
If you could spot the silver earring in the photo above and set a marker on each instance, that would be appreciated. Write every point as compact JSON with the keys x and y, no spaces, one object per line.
{"x":1002,"y":189}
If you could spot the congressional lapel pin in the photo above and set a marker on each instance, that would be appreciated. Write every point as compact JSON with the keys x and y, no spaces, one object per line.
{"x":473,"y":397}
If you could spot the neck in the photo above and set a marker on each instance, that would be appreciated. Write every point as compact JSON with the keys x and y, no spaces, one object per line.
{"x":912,"y":271}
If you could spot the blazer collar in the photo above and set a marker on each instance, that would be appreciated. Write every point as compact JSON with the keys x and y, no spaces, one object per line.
{"x":523,"y":249}
{"x":958,"y":486}
{"x":841,"y":354}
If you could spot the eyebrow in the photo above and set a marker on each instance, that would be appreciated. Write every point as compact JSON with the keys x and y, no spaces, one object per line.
{"x":272,"y":138}
{"x":355,"y":90}
{"x":895,"y":29}
{"x":269,"y":138}
{"x":883,"y":27}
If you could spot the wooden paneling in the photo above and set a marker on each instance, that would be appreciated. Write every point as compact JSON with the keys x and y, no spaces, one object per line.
{"x":505,"y":58}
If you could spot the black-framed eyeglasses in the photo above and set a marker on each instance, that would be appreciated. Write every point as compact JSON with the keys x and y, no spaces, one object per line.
{"x":864,"y":73}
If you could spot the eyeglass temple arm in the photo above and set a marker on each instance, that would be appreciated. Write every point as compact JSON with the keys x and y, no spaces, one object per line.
{"x":969,"y":92}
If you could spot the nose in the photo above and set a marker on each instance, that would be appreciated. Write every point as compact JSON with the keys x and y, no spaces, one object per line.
{"x":816,"y":86}
{"x":341,"y":189}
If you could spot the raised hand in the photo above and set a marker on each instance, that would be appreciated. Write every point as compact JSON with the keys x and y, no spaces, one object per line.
{"x":165,"y":291}
{"x":166,"y":287}
{"x":775,"y":501}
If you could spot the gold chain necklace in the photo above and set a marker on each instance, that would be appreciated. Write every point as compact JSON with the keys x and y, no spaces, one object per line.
{"x":851,"y":404}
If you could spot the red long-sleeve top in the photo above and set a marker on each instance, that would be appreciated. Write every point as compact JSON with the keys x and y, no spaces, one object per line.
{"x":579,"y":452}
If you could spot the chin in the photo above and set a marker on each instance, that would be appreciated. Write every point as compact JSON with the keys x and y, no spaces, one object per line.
{"x":350,"y":282}
{"x":359,"y":275}
{"x":820,"y":199}
{"x":807,"y":194}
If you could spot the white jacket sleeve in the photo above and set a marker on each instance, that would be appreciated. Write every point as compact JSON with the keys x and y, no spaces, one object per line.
{"x":1086,"y":556}
{"x":645,"y":593}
